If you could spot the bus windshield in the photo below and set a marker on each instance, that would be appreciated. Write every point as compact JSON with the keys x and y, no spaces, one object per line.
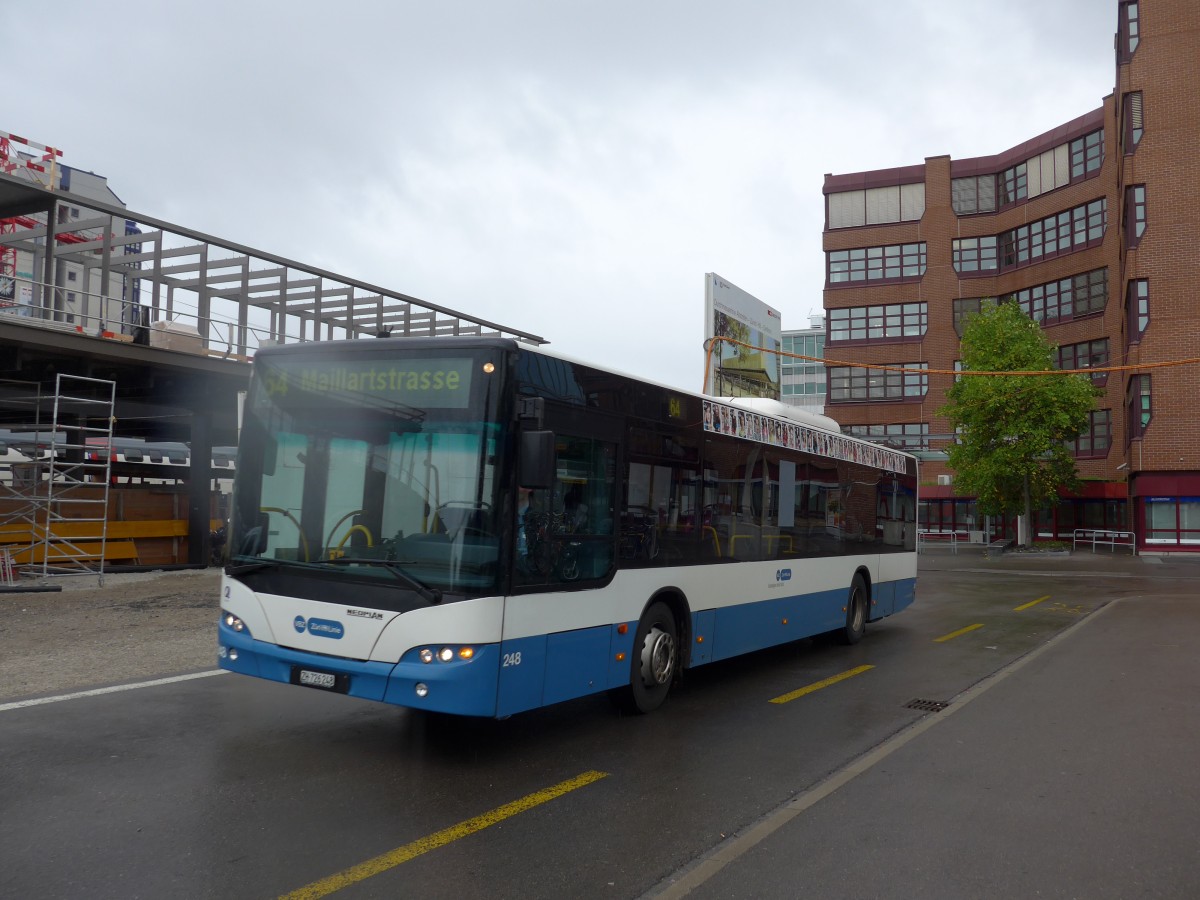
{"x":374,"y":468}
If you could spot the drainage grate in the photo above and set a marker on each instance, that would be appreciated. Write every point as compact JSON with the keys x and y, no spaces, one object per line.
{"x":927,"y":705}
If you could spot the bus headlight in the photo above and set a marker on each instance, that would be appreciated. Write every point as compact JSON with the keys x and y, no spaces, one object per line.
{"x":234,"y":622}
{"x":445,"y":654}
{"x":422,"y":689}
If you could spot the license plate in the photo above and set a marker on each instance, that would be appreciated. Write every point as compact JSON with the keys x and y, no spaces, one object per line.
{"x":325,"y":681}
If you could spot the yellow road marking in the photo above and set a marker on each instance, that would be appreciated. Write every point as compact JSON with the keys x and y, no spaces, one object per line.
{"x":817,"y":685}
{"x":393,"y":858}
{"x":954,"y":634}
{"x":1031,"y":603}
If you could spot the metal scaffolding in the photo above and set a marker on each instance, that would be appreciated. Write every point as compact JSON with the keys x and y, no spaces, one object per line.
{"x":102,"y":270}
{"x":54,"y":514}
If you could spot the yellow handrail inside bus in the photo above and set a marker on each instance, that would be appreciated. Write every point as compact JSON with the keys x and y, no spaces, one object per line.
{"x":350,"y":531}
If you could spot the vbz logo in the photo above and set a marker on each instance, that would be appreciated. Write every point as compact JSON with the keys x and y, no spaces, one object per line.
{"x":783,"y":575}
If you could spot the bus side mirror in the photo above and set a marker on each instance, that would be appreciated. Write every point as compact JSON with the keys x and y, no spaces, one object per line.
{"x":535,"y":468}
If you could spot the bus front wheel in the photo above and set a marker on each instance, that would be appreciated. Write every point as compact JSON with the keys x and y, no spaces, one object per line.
{"x":655,"y":661}
{"x":857,"y":602}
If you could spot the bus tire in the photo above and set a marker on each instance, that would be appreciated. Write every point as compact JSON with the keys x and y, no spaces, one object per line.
{"x":654,"y":664}
{"x":857,"y":608}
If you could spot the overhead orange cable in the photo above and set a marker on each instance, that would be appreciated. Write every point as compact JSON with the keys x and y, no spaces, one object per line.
{"x":711,"y":344}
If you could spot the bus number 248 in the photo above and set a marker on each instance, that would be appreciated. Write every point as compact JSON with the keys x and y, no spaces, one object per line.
{"x":511,"y":659}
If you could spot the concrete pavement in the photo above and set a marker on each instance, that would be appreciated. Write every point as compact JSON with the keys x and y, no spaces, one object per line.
{"x":1070,"y":773}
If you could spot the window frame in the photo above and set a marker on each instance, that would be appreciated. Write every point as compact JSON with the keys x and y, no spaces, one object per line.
{"x":1068,"y":299}
{"x":1128,"y":30}
{"x":1063,"y":232}
{"x":1137,"y":314}
{"x":885,"y":323}
{"x":906,"y":436}
{"x":1139,"y":407}
{"x":1086,"y":155}
{"x":978,"y":252}
{"x":957,"y":190}
{"x":1086,"y":355}
{"x":1012,"y":185}
{"x":910,"y":263}
{"x":858,"y":384}
{"x":1095,"y":441}
{"x":1133,"y":120}
{"x":1135,"y":221}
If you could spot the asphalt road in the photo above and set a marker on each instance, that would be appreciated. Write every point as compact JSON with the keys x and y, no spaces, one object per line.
{"x":1059,"y":766}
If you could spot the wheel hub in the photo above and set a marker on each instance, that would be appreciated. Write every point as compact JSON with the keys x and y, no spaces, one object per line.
{"x":658,"y":657}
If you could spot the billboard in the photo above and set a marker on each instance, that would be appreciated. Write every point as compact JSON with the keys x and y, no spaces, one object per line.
{"x":749,"y":367}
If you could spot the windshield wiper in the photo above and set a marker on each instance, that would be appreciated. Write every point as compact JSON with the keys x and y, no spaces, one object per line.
{"x":432,"y":595}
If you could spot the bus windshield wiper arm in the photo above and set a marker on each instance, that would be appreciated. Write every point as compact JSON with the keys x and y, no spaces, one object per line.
{"x":433,"y":595}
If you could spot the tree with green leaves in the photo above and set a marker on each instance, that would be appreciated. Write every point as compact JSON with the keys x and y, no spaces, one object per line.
{"x":1014,"y":430}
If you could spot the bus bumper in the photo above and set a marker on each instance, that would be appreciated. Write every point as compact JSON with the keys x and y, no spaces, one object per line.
{"x":461,"y":687}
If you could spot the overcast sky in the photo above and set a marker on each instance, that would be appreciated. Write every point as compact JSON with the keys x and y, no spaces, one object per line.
{"x":564,"y":167}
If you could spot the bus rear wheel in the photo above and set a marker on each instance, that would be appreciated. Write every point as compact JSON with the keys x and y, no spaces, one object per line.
{"x":655,"y":662}
{"x":857,"y":603}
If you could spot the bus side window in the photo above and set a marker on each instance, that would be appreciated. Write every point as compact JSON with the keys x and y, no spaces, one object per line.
{"x":663,"y":519}
{"x":569,"y":533}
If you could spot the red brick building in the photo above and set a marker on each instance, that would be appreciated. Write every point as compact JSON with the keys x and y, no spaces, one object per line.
{"x":1094,"y":228}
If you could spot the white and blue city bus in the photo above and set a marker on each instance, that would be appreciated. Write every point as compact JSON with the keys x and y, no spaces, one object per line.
{"x":381,"y":547}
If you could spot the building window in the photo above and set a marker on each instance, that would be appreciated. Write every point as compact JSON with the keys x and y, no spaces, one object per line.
{"x":876,"y":206}
{"x":811,"y":345}
{"x":1087,"y":155}
{"x":975,"y":254}
{"x":852,"y":384}
{"x":967,"y":307}
{"x":802,"y":388}
{"x":1135,"y":214}
{"x":1013,"y":184}
{"x":1172,"y":520}
{"x":897,"y":262}
{"x":1133,"y":123}
{"x":1137,"y":309}
{"x":878,"y":323}
{"x":1058,"y":234}
{"x":1066,"y":299}
{"x":1097,"y":437}
{"x":908,"y":436}
{"x":1073,"y":297}
{"x":1086,"y":355}
{"x":1128,"y":31}
{"x":803,"y":377}
{"x":1052,"y":169}
{"x":1138,"y":411}
{"x":976,"y":194}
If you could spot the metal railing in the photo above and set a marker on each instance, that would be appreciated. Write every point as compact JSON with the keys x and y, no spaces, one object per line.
{"x":1099,"y":536}
{"x":924,"y":538}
